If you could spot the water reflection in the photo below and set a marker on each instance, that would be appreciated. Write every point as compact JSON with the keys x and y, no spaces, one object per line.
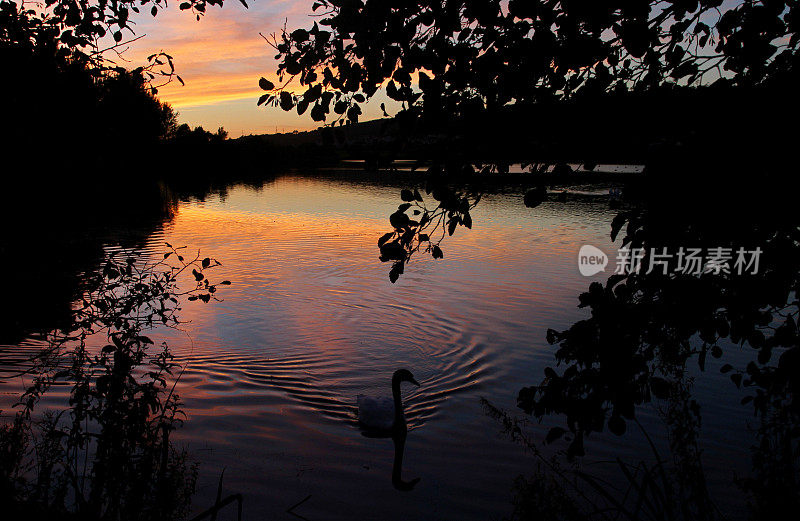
{"x":399,"y":440}
{"x":311,"y":321}
{"x":51,"y":241}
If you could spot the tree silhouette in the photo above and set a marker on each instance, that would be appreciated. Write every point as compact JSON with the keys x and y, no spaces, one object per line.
{"x":468,"y":56}
{"x":185,"y":135}
{"x":92,"y":107}
{"x":80,"y":25}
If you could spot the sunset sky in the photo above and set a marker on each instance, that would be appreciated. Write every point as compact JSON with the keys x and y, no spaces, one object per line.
{"x":220,"y":58}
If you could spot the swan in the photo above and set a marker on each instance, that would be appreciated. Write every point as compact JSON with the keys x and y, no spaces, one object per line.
{"x":385,"y":414}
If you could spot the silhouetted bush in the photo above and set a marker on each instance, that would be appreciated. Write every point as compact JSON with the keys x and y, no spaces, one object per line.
{"x":107,"y":454}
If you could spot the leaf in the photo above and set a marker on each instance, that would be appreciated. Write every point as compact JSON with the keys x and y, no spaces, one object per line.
{"x":286,"y":101}
{"x":300,"y":35}
{"x":451,"y":226}
{"x":398,"y":220}
{"x":437,"y":253}
{"x":407,"y":195}
{"x":385,"y":237}
{"x":244,"y":3}
{"x":392,"y":251}
{"x":318,"y":112}
{"x":265,"y":84}
{"x":302,"y":106}
{"x":396,"y":271}
{"x":206,"y":262}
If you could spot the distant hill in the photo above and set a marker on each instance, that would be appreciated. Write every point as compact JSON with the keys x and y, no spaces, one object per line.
{"x":366,"y":130}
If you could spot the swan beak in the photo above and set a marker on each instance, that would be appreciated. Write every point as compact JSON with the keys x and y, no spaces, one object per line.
{"x":414,"y":382}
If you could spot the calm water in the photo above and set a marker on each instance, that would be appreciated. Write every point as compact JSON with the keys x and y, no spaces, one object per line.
{"x":311,"y":320}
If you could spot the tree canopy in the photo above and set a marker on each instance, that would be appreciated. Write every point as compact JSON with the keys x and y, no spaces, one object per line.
{"x":85,"y":114}
{"x":474,"y":55}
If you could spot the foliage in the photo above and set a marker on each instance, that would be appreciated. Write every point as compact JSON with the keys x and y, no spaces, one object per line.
{"x":562,"y":490}
{"x":93,"y":108}
{"x":426,"y":227}
{"x":646,"y":328}
{"x":85,"y":26}
{"x":108,"y":454}
{"x":468,"y":56}
{"x":184,"y":134}
{"x":70,"y":32}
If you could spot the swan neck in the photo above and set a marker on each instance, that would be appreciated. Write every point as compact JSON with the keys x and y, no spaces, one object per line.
{"x":398,"y":401}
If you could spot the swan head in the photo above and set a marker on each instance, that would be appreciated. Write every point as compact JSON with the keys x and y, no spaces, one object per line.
{"x":404,"y":375}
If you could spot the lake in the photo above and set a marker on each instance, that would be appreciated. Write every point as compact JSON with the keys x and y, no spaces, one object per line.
{"x":311,"y":320}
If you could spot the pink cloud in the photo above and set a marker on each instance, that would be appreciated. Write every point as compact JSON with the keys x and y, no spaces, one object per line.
{"x":222,"y":56}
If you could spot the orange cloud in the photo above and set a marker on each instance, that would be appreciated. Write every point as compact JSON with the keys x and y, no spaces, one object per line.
{"x":222,"y":56}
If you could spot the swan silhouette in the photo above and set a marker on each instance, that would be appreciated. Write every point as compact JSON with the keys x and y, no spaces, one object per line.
{"x":385,"y":414}
{"x":384,"y":418}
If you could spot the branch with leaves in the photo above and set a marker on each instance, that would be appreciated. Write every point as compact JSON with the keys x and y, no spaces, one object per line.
{"x":449,"y":58}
